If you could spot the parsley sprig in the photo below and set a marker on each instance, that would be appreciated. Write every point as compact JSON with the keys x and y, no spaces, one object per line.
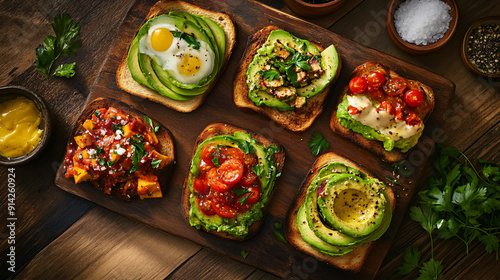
{"x":150,"y":122}
{"x":458,"y":202}
{"x":190,"y":39}
{"x":318,"y":144}
{"x":63,"y":44}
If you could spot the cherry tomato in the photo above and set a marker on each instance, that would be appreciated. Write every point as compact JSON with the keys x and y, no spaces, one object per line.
{"x":413,"y":98}
{"x":253,"y":194}
{"x":223,"y":210}
{"x":226,"y":197}
{"x":206,"y":166}
{"x":242,"y":208}
{"x":231,"y":171}
{"x":353,"y":110}
{"x":376,"y":79}
{"x":215,"y":181}
{"x":399,"y":112}
{"x":385,"y":106}
{"x":200,"y":185}
{"x":358,"y":85}
{"x":395,"y":86}
{"x":205,"y":205}
{"x":248,"y":177}
{"x":412,"y":119}
{"x":209,"y":152}
{"x":233,"y":153}
{"x":377,"y":94}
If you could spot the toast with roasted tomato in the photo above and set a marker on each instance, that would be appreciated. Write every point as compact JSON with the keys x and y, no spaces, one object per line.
{"x":383,"y":111}
{"x":263,"y":82}
{"x":231,"y":181}
{"x":363,"y":201}
{"x":119,"y":150}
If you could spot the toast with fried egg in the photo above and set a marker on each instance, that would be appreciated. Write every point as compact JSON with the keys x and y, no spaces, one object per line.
{"x":146,"y":70}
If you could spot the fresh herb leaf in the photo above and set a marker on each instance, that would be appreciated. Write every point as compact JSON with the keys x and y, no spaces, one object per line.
{"x":99,"y":150}
{"x":138,"y":148}
{"x":273,"y":149}
{"x":411,"y":260}
{"x":215,"y":160}
{"x":280,"y":65}
{"x":292,"y":76}
{"x":431,"y":269}
{"x":244,"y":254}
{"x":65,"y":70}
{"x":244,"y":198}
{"x":63,"y":44}
{"x":278,"y":225}
{"x":190,"y":39}
{"x":155,"y":163}
{"x":393,"y":181}
{"x":292,"y":51}
{"x":303,"y":64}
{"x":279,"y":235}
{"x":110,"y":163}
{"x":270,"y":74}
{"x":400,"y":167}
{"x":97,"y":113}
{"x":258,"y":169}
{"x":101,"y":161}
{"x":116,"y":127}
{"x":246,"y":147}
{"x":239,"y":192}
{"x":318,"y":144}
{"x":150,"y":122}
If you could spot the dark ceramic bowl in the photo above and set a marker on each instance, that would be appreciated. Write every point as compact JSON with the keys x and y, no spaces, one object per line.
{"x":313,"y":10}
{"x":11,"y":92}
{"x":465,"y":55}
{"x":414,"y":48}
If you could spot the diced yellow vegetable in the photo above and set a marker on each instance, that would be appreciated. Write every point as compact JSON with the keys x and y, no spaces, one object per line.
{"x":83,"y":140}
{"x":152,"y":137}
{"x":147,"y":188}
{"x":81,"y":175}
{"x":127,"y":131}
{"x":115,"y":157}
{"x":88,"y":125}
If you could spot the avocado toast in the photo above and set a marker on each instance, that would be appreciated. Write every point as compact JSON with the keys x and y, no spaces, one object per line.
{"x":339,"y":211}
{"x":285,"y":78}
{"x":177,"y":55}
{"x":231,"y":181}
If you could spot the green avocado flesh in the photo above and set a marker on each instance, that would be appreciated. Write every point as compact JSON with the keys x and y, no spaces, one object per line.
{"x":371,"y":134}
{"x":147,"y":70}
{"x":328,"y":60}
{"x":239,"y":224}
{"x":330,"y":238}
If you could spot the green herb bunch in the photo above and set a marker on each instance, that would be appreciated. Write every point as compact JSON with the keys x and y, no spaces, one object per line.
{"x":460,"y":202}
{"x":63,"y":44}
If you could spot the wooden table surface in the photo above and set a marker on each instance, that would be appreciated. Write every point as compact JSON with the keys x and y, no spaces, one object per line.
{"x":61,"y":236}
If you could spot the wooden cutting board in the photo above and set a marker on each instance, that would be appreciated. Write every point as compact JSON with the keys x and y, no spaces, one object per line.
{"x":265,"y":250}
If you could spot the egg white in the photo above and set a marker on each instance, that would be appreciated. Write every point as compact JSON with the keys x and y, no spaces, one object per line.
{"x":170,"y":58}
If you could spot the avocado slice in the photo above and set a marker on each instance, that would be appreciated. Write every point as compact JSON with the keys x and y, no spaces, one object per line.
{"x":165,"y":79}
{"x":308,"y":235}
{"x":353,"y":205}
{"x":133,"y":64}
{"x":329,"y":61}
{"x":220,"y":38}
{"x":238,"y":225}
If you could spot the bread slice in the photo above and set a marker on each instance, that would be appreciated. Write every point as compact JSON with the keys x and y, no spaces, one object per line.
{"x":294,"y":120}
{"x":127,"y":83}
{"x":352,"y":261}
{"x":165,"y":138}
{"x":375,"y":146}
{"x":227,"y":129}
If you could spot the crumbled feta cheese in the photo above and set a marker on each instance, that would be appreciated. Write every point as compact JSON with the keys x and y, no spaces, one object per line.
{"x":92,"y":152}
{"x":120,"y":151}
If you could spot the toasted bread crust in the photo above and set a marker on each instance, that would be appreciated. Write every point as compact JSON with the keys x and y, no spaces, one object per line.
{"x":165,"y":138}
{"x":127,"y":83}
{"x":227,"y":129}
{"x":352,"y":261}
{"x":375,"y":146}
{"x":294,"y":120}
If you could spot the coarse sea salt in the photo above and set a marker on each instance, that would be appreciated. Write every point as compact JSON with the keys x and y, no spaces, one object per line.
{"x":422,"y":22}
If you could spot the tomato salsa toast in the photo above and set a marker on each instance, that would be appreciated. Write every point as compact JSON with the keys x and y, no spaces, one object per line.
{"x":231,"y":181}
{"x":119,"y":150}
{"x":382,"y":111}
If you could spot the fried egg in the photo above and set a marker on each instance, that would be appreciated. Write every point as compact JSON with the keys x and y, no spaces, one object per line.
{"x":184,"y":63}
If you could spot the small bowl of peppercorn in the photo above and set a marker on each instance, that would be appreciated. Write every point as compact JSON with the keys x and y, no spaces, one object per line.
{"x":481,"y":47}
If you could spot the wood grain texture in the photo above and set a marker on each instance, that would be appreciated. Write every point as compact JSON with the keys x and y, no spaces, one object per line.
{"x":280,"y":259}
{"x":89,"y":248}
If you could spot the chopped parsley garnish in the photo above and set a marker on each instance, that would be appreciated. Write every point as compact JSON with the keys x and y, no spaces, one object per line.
{"x":138,"y":148}
{"x":65,"y":70}
{"x":244,"y":198}
{"x":97,"y":113}
{"x":246,"y":147}
{"x":150,"y":122}
{"x":270,"y":74}
{"x":280,"y":236}
{"x":239,"y":192}
{"x":258,"y":169}
{"x":318,"y":144}
{"x":116,"y":127}
{"x":99,"y":150}
{"x":400,"y":167}
{"x":393,"y":181}
{"x":110,"y":163}
{"x":244,"y":254}
{"x":155,"y":163}
{"x":190,"y":39}
{"x":101,"y":161}
{"x":215,"y":160}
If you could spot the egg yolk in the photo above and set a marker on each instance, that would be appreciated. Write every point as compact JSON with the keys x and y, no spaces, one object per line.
{"x":189,"y":65}
{"x":161,"y":39}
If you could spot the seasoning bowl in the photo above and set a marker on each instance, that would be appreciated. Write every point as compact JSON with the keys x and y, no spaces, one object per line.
{"x":414,"y":48}
{"x":313,"y":10}
{"x":12,"y":92}
{"x":466,"y":57}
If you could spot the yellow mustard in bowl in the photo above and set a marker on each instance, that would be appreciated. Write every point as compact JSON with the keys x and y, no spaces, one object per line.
{"x":19,"y":131}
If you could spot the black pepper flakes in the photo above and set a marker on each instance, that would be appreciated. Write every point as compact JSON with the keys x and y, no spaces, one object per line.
{"x":483,"y":48}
